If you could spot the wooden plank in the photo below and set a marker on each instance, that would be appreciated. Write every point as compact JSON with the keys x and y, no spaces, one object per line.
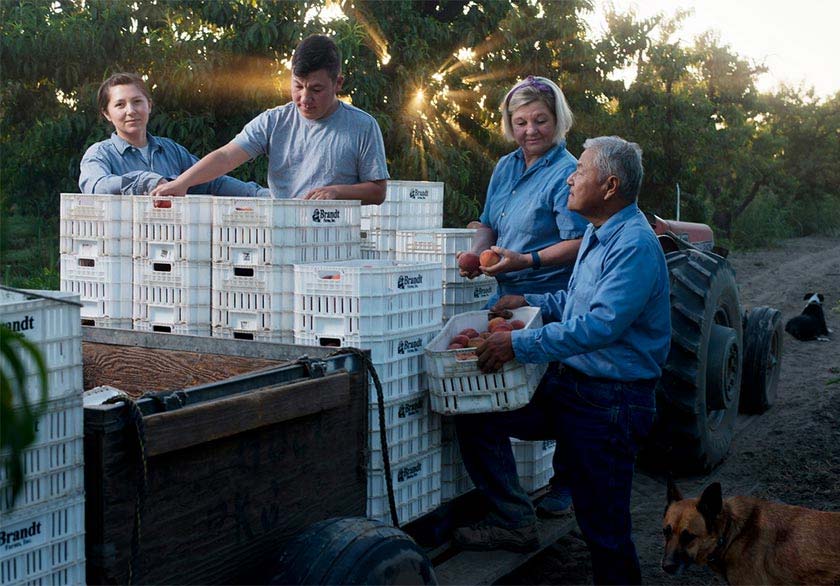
{"x":136,"y":370}
{"x":486,"y":567}
{"x":175,"y":430}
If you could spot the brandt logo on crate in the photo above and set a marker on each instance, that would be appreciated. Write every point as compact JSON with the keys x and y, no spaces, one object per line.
{"x":410,"y":346}
{"x":326,"y":216}
{"x":482,"y":292}
{"x":24,"y":324}
{"x":25,"y":535}
{"x":409,"y":472}
{"x":418,"y":193}
{"x":410,"y":408}
{"x":409,"y":282}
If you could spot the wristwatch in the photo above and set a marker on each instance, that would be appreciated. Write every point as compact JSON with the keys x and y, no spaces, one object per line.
{"x":536,"y":263}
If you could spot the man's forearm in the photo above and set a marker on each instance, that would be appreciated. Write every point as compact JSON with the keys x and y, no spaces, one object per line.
{"x":368,"y":192}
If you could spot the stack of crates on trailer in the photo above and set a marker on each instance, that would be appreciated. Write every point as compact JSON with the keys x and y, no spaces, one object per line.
{"x":256,"y":243}
{"x":533,"y":462}
{"x":95,"y":248}
{"x":43,"y":532}
{"x":441,"y":245}
{"x":455,"y":480}
{"x":408,"y":205}
{"x":172,"y":264}
{"x":393,"y":309}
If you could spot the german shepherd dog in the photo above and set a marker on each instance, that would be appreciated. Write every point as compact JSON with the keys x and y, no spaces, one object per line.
{"x":748,"y":540}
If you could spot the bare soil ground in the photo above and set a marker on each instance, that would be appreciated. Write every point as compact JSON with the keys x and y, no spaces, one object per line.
{"x":791,"y":453}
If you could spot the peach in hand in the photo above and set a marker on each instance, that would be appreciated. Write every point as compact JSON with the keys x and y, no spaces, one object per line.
{"x":517,"y":324}
{"x":469,"y":262}
{"x":488,"y":258}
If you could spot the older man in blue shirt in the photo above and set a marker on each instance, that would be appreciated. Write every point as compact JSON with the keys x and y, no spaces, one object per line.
{"x":606,"y":339}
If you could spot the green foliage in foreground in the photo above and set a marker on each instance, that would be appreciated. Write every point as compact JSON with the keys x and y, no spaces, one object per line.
{"x":757,"y":167}
{"x":18,"y":416}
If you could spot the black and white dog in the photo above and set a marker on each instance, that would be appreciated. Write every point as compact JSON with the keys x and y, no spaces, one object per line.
{"x":810,"y":324}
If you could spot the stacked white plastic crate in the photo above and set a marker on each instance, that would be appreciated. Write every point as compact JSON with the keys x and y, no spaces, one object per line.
{"x":172,"y":264}
{"x":256,"y":243}
{"x":440,"y":245}
{"x":533,"y":462}
{"x":96,"y":256}
{"x":43,"y":530}
{"x":394,"y":309}
{"x":455,"y":480}
{"x":408,"y":205}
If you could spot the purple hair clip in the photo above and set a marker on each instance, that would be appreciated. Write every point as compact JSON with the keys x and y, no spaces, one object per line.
{"x":532,"y":81}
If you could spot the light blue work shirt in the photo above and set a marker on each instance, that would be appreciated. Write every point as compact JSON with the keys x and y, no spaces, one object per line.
{"x":345,"y":148}
{"x":526,"y":208}
{"x":615,"y":319}
{"x":115,"y":166}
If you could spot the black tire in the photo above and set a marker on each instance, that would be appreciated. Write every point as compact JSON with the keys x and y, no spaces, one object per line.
{"x":353,"y":550}
{"x":699,"y":391}
{"x":762,"y":359}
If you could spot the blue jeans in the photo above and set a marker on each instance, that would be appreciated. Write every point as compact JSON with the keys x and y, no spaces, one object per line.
{"x":598,"y":425}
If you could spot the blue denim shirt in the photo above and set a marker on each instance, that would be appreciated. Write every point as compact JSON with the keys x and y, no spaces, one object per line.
{"x":615,"y":319}
{"x":115,"y":166}
{"x":527,"y":210}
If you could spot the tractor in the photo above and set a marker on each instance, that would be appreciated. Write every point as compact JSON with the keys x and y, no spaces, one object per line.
{"x":722,"y":359}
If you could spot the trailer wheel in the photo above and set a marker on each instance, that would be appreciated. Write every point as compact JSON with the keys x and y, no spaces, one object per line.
{"x":353,"y":550}
{"x":762,"y":359}
{"x":699,"y":391}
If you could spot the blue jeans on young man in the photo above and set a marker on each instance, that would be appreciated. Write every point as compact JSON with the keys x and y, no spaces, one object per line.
{"x":598,"y":425}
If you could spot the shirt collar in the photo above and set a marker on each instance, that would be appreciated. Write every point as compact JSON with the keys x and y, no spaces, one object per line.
{"x":123,"y":145}
{"x":609,"y":228}
{"x":548,"y":158}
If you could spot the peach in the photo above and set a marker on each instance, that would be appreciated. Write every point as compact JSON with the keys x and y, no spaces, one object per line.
{"x":469,"y":262}
{"x":517,"y":324}
{"x":454,"y":346}
{"x":476,"y":343}
{"x":488,"y":258}
{"x":459,"y":339}
{"x":469,"y":333}
{"x":494,"y":322}
{"x":505,"y":327}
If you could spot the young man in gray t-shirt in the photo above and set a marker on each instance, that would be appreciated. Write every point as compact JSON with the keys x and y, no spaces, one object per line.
{"x":318,"y":147}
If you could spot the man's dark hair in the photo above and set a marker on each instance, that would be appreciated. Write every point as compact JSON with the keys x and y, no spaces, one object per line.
{"x":316,"y":52}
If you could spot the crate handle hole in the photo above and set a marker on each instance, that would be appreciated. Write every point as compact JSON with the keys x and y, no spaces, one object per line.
{"x":88,"y":322}
{"x":162,"y":203}
{"x":162,"y":267}
{"x":165,"y":329}
{"x":87,"y":262}
{"x":243,"y":336}
{"x":332,"y":342}
{"x":242,"y":272}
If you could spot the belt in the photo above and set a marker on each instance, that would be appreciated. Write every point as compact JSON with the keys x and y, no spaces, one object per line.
{"x":574,"y":373}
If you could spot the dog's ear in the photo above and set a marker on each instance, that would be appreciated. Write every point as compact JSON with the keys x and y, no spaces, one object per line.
{"x":674,"y":493}
{"x":711,"y":504}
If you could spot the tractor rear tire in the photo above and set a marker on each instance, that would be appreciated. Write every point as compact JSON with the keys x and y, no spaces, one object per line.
{"x":353,"y":550}
{"x":698,"y":394}
{"x":762,"y":359}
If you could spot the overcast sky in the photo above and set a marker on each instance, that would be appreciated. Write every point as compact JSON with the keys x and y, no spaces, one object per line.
{"x":798,"y":41}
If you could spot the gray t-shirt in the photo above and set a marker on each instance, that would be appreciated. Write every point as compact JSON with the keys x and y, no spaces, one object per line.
{"x":343,"y":149}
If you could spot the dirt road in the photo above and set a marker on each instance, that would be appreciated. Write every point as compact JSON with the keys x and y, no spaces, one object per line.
{"x":791,"y":453}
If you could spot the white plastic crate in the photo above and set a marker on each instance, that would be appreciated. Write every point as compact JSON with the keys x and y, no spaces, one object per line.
{"x":253,"y":300}
{"x":397,"y":382}
{"x":479,"y":290}
{"x":384,"y":350}
{"x":455,"y":480}
{"x":103,"y":285}
{"x":178,"y":297}
{"x":416,"y":488}
{"x":276,"y":337}
{"x":377,"y":254}
{"x":53,"y":465}
{"x":437,"y":245}
{"x":366,"y":297}
{"x":257,"y":231}
{"x":95,"y":225}
{"x":170,"y":229}
{"x":44,"y":545}
{"x":142,"y":325}
{"x":53,"y":326}
{"x":410,"y":426}
{"x":379,"y":244}
{"x":408,"y":205}
{"x":533,"y":462}
{"x":458,"y":386}
{"x":173,"y":274}
{"x":107,"y":322}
